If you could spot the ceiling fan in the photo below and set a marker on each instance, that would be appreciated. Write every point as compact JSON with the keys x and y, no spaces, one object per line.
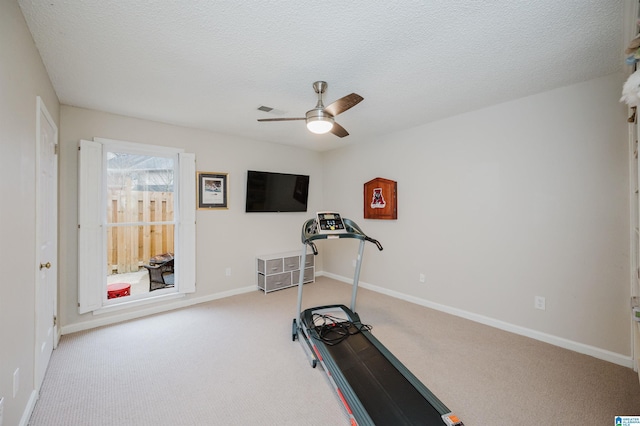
{"x":321,"y":119}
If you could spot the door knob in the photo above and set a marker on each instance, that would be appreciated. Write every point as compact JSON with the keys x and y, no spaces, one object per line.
{"x":45,"y":265}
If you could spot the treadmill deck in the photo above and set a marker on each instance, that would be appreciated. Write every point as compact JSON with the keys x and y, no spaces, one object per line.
{"x":371,"y":379}
{"x":385,"y":393}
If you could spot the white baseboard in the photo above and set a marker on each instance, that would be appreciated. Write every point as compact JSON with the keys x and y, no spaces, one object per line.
{"x":28,"y":410}
{"x":177,"y":304}
{"x":603,"y":354}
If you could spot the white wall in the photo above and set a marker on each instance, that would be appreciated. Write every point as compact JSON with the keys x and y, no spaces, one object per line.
{"x":502,"y":204}
{"x":225,"y":238}
{"x":22,"y":78}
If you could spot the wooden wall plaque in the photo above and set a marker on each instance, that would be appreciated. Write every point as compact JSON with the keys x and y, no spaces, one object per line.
{"x":381,"y":199}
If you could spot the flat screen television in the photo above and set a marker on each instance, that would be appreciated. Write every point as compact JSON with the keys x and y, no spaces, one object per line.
{"x":276,"y":192}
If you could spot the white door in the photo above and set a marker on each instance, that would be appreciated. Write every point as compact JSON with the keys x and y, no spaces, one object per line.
{"x":46,"y":239}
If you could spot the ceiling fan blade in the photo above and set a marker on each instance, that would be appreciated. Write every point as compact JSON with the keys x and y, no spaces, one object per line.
{"x":281,"y":119}
{"x":339,"y":131}
{"x":343,"y":104}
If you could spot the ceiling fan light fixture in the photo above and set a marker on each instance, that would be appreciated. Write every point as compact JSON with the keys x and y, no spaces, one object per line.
{"x":319,"y":122}
{"x":319,"y":126}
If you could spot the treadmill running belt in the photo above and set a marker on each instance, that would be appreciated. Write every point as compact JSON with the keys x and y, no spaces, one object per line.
{"x":388,"y":397}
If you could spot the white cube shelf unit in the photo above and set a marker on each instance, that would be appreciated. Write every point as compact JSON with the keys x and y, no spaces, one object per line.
{"x":282,"y":270}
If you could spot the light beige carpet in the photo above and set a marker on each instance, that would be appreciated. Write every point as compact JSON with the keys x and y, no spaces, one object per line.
{"x":233,"y":362}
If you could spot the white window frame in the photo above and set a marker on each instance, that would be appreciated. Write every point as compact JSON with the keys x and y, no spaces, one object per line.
{"x":92,"y":274}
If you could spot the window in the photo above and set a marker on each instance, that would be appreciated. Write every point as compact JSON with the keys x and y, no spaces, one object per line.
{"x":137,"y":223}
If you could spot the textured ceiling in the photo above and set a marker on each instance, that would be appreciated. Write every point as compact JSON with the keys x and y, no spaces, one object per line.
{"x":210,"y":64}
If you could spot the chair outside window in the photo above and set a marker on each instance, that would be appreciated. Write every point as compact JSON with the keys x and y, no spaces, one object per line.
{"x":161,"y":274}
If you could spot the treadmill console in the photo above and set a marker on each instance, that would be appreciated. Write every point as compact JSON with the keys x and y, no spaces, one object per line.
{"x":330,"y":223}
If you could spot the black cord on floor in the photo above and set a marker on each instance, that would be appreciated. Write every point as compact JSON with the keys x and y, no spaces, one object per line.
{"x":332,"y":330}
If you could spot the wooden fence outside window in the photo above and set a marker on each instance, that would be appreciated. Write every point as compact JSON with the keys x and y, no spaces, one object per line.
{"x":131,"y":245}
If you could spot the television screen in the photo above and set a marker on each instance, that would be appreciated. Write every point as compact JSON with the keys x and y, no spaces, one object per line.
{"x":276,"y":192}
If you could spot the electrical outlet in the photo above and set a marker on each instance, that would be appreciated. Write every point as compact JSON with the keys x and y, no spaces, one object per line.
{"x":227,"y":271}
{"x":422,"y":278}
{"x":539,"y":302}
{"x":354,"y":263}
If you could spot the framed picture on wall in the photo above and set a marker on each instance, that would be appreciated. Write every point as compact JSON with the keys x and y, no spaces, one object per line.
{"x":213,"y":190}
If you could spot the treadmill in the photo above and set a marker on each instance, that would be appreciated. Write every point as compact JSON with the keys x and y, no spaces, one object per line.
{"x":374,"y":386}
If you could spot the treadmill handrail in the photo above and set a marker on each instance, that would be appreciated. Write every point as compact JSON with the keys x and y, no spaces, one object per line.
{"x":310,"y":234}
